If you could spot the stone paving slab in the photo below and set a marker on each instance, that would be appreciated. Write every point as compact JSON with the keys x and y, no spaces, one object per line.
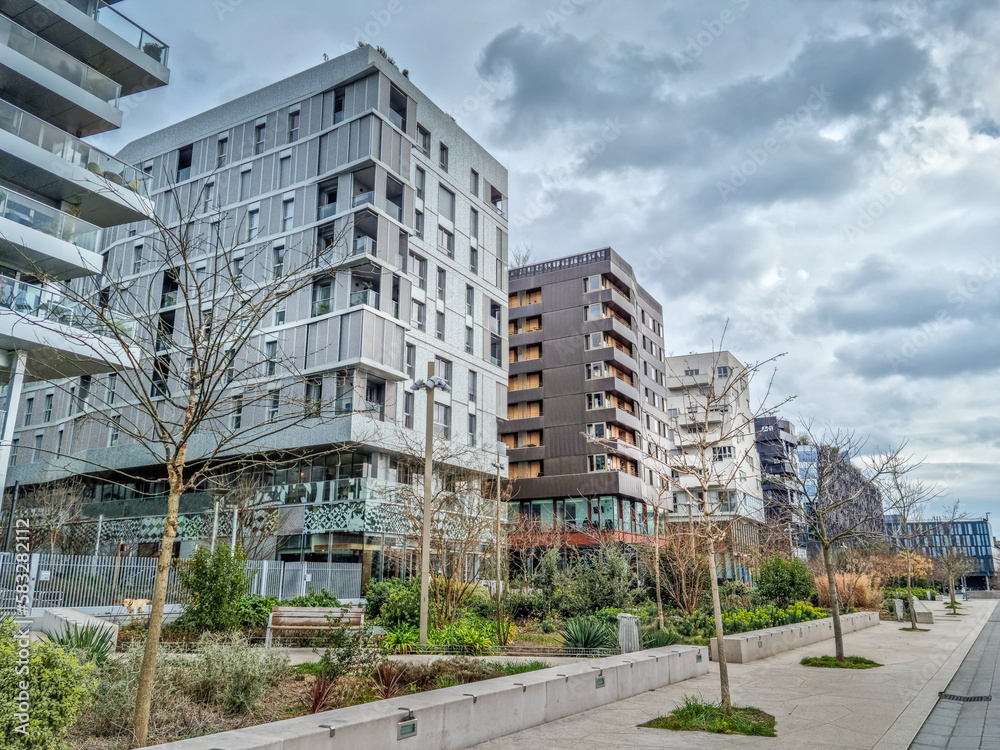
{"x":819,"y":709}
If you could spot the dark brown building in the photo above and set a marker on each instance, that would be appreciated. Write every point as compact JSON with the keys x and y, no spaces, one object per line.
{"x":586,"y":420}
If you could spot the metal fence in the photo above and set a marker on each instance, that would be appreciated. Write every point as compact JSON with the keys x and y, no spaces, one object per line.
{"x":106,"y":581}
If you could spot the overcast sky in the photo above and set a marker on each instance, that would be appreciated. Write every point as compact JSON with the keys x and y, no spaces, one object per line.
{"x":823,"y":174}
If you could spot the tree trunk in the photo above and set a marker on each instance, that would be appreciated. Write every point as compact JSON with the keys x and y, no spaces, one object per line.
{"x":720,"y":646}
{"x":909,"y":592}
{"x":147,"y":673}
{"x":656,"y":542}
{"x":951,"y":588}
{"x":831,"y":578}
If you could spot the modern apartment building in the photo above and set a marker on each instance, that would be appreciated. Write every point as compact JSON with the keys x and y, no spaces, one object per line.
{"x":65,"y":66}
{"x":708,"y":404}
{"x":347,"y":157}
{"x":586,"y":421}
{"x":936,"y":538}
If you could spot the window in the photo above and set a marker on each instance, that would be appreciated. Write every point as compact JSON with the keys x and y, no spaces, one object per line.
{"x":473,"y":223}
{"x":222,"y":153}
{"x":596,"y":430}
{"x":423,"y":139}
{"x":115,"y":431}
{"x":591,"y":283}
{"x":13,"y":450}
{"x":287,"y":214}
{"x":474,"y":260}
{"x":442,"y":421}
{"x":273,"y":403}
{"x":408,"y":410}
{"x":278,"y":261}
{"x":442,"y":282}
{"x":271,"y":357}
{"x":469,"y":340}
{"x":184,"y":163}
{"x":418,"y":223}
{"x":314,"y":397}
{"x":593,"y":340}
{"x":446,"y":203}
{"x":245,"y":184}
{"x":258,"y":138}
{"x":442,"y":368}
{"x":723,"y":371}
{"x":691,"y":373}
{"x":411,"y":362}
{"x":721,"y":452}
{"x":137,"y":258}
{"x":322,"y":294}
{"x":236,"y":269}
{"x":501,"y":276}
{"x":230,"y":365}
{"x":595,"y":401}
{"x":72,"y":401}
{"x":592,"y":312}
{"x":596,"y":370}
{"x":418,"y":316}
{"x":293,"y":126}
{"x":29,"y":407}
{"x":446,"y":241}
{"x":473,"y":386}
{"x":439,"y":328}
{"x":37,"y":454}
{"x":472,"y":429}
{"x":208,"y":196}
{"x":470,"y":301}
{"x":253,"y":224}
{"x":419,"y":268}
{"x":420,"y":182}
{"x":443,"y":156}
{"x":279,"y":314}
{"x":474,"y":182}
{"x":597,"y":463}
{"x":236,"y":416}
{"x":285,"y":172}
{"x":158,"y":381}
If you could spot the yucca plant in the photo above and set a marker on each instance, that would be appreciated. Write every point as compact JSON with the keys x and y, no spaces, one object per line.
{"x":94,"y":642}
{"x":587,"y":632}
{"x":656,"y":638}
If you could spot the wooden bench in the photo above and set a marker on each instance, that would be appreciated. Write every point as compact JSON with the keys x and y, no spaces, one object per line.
{"x":312,"y":618}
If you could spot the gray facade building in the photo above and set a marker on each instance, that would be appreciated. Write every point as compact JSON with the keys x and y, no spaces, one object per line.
{"x":586,"y":419}
{"x":65,"y":66}
{"x":347,"y":157}
{"x":937,"y":537}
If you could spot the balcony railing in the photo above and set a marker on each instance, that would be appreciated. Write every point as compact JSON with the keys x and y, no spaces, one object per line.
{"x":365,"y":297}
{"x":44,"y":302}
{"x":51,"y":221}
{"x":397,"y":119}
{"x":364,"y":246}
{"x":362,"y":198}
{"x":29,"y":128}
{"x":168,"y":299}
{"x":131,"y":32}
{"x":394,"y":210}
{"x":325,"y":212}
{"x":61,"y":63}
{"x":321,"y":307}
{"x":184,"y":174}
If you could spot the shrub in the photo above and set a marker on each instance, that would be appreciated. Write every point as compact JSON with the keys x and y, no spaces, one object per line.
{"x":858,"y":592}
{"x":781,"y":582}
{"x":656,"y":638}
{"x":597,"y":581}
{"x":59,"y":686}
{"x":349,"y":652}
{"x":524,"y":605}
{"x":588,"y":632}
{"x":90,"y":642}
{"x":608,"y":615}
{"x":401,"y":639}
{"x":768,"y":617}
{"x":547,"y":626}
{"x":474,"y":635}
{"x":734,"y":595}
{"x":402,"y":606}
{"x":230,"y":674}
{"x":255,"y":610}
{"x":323,"y":599}
{"x":378,"y":593}
{"x":215,"y":582}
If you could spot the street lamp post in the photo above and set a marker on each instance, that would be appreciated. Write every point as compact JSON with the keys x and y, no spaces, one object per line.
{"x":432,"y":381}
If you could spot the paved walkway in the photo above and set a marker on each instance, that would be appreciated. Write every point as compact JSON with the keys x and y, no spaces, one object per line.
{"x":819,"y":709}
{"x":958,"y":725}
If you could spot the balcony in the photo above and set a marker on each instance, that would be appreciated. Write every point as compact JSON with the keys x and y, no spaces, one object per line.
{"x":362,"y":199}
{"x":169,"y":299}
{"x":321,"y":307}
{"x":325,"y":212}
{"x":366,"y":297}
{"x":28,"y":228}
{"x":394,"y":210}
{"x":131,"y":32}
{"x":364,"y":246}
{"x":183,"y":174}
{"x":397,"y":119}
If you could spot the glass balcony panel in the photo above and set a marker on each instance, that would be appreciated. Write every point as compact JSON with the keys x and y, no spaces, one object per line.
{"x":364,"y":246}
{"x":365,"y":297}
{"x":51,"y":304}
{"x":395,"y":211}
{"x":321,"y":307}
{"x":325,"y":212}
{"x":397,"y":119}
{"x":29,"y":128}
{"x":131,"y":32}
{"x":36,"y":215}
{"x":61,"y":63}
{"x":363,"y":198}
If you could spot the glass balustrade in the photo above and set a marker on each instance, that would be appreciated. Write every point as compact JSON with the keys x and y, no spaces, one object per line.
{"x":131,"y":32}
{"x":29,"y":128}
{"x":326,"y":211}
{"x":365,"y":297}
{"x":364,"y":246}
{"x":362,"y":198}
{"x":59,"y":62}
{"x":51,"y":221}
{"x":48,"y":303}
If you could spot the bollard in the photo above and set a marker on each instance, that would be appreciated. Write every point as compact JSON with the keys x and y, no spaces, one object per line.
{"x":628,"y":633}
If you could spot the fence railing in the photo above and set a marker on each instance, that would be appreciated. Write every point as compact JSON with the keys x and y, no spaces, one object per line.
{"x":106,"y":581}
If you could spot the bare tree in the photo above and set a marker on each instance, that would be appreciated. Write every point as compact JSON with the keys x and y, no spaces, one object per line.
{"x":907,"y":498}
{"x":840,"y":503}
{"x":521,"y":255}
{"x":242,"y":499}
{"x":53,"y":508}
{"x":197,"y":383}
{"x":954,"y":561}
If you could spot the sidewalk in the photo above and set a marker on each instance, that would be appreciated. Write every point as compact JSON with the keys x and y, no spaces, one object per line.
{"x":819,"y":709}
{"x":968,"y":725}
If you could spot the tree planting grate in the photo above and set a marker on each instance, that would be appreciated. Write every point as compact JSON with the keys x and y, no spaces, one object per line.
{"x":967,"y":698}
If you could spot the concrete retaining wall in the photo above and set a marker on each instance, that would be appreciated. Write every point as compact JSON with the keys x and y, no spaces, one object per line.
{"x":55,"y":621}
{"x":975,"y":595}
{"x":760,"y":644}
{"x":465,"y":715}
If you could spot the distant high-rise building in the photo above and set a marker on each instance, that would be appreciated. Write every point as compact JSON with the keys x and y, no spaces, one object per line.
{"x":65,"y":66}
